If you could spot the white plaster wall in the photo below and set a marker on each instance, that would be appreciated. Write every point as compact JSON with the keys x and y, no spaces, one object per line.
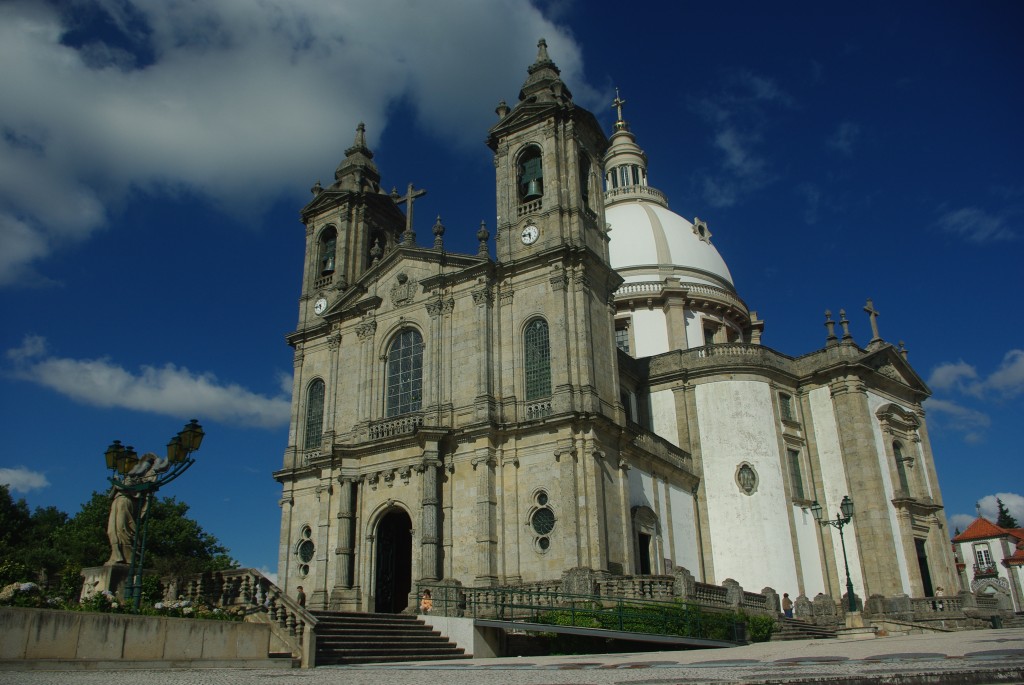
{"x":650,"y":332}
{"x":663,"y":415}
{"x":736,"y":425}
{"x":874,"y":402}
{"x":833,"y":478}
{"x":807,"y":542}
{"x":684,"y":530}
{"x":641,"y":489}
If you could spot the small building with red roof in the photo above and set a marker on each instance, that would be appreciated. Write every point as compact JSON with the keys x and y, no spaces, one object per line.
{"x":993,"y":560}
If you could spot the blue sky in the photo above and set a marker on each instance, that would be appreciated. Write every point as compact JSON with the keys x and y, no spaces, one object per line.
{"x":155,"y":155}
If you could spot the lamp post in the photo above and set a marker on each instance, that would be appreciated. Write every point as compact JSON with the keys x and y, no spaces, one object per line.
{"x":843,"y":518}
{"x":138,"y":480}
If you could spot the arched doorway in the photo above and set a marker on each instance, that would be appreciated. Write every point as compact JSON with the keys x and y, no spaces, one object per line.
{"x":393,"y":580}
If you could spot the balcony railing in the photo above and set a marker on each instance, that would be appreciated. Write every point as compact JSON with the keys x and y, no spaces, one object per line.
{"x":402,"y":425}
{"x":986,"y":570}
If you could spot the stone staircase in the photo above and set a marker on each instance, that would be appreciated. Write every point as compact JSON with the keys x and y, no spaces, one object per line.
{"x":353,"y":638}
{"x":795,"y":629}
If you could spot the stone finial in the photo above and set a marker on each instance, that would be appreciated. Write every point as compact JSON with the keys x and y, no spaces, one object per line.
{"x":482,"y":235}
{"x":376,"y":252}
{"x":830,"y":326}
{"x":502,"y":109}
{"x":317,"y":188}
{"x":845,"y":324}
{"x":903,"y":350}
{"x":542,"y":51}
{"x":438,"y":234}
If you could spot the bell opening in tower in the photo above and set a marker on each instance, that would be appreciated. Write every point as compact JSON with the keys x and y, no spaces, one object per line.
{"x":531,"y":175}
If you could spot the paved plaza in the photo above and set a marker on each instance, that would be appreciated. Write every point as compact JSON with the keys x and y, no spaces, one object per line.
{"x":982,"y":656}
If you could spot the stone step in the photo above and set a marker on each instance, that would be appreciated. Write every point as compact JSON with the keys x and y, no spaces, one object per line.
{"x":355,"y":638}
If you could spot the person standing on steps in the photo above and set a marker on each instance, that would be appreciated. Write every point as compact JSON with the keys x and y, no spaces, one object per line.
{"x":787,"y":605}
{"x":301,"y":597}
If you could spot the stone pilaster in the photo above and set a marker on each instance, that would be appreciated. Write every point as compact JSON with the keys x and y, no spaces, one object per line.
{"x":871,"y":529}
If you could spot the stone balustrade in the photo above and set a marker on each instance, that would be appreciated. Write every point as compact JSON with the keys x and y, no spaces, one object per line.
{"x":263,"y":601}
{"x":402,"y":425}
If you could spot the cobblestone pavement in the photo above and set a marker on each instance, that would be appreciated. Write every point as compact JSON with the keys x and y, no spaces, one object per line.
{"x":985,"y":656}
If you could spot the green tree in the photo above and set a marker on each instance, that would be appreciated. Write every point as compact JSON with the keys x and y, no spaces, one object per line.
{"x":27,"y":540}
{"x":1004,"y":519}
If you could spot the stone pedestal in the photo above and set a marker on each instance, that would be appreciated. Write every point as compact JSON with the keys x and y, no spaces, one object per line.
{"x":110,"y":577}
{"x":346,"y":599}
{"x":854,"y":619}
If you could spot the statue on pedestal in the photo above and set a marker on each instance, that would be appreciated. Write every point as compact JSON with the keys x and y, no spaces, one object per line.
{"x":121,"y":523}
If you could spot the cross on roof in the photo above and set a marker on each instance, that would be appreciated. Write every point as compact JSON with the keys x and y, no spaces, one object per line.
{"x":617,"y":104}
{"x":408,"y":198}
{"x":873,"y":314}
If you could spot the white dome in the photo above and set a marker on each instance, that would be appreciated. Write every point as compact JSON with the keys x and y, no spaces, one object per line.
{"x":649,"y":242}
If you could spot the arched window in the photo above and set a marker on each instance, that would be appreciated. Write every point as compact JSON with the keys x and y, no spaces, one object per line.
{"x":538,"y":360}
{"x":405,"y":373}
{"x":901,"y":469}
{"x":328,"y":247}
{"x":314,"y":414}
{"x":531,"y":174}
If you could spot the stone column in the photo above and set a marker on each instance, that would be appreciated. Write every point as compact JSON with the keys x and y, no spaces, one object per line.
{"x":430,"y":539}
{"x":484,"y":301}
{"x":344,"y":550}
{"x":486,"y":503}
{"x":626,"y":518}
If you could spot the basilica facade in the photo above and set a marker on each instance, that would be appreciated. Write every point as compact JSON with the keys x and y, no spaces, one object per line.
{"x":587,"y":390}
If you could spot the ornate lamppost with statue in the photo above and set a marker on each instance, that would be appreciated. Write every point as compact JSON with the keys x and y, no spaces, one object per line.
{"x":134,"y":483}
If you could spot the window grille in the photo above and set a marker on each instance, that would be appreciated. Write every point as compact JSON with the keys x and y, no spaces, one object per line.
{"x":622,"y":339}
{"x":786,"y":407}
{"x":405,"y":373}
{"x":538,"y":360}
{"x":795,"y":474}
{"x":314,"y":414}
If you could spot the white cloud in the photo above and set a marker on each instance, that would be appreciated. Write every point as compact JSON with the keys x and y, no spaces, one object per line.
{"x":976,"y":226}
{"x":971,"y":422}
{"x":951,"y":376}
{"x":845,"y":137}
{"x":960,"y":522}
{"x":1008,"y":380}
{"x":1005,"y":382}
{"x":22,"y":479}
{"x":1014,"y":504}
{"x":737,"y":114}
{"x":167,"y":390}
{"x":232,"y":100}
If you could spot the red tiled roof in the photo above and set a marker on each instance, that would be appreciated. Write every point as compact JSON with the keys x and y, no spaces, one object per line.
{"x":981,"y":528}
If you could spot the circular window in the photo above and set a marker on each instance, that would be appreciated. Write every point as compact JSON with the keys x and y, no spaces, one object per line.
{"x":542,"y":498}
{"x":304,"y":569}
{"x":544,"y":543}
{"x":543,"y":521}
{"x":306,"y":550}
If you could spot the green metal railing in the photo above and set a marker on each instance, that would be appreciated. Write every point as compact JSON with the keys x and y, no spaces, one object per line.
{"x":654,"y":617}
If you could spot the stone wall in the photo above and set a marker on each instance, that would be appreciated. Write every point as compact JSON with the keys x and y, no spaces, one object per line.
{"x":81,"y":636}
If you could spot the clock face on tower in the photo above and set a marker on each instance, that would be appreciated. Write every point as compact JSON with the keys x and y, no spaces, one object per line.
{"x":530,"y":234}
{"x":320,"y":306}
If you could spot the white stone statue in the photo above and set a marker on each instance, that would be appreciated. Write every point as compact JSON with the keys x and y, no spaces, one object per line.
{"x":121,"y":523}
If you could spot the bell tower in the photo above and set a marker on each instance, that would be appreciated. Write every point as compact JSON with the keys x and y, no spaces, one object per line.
{"x":347,"y":224}
{"x":548,"y":156}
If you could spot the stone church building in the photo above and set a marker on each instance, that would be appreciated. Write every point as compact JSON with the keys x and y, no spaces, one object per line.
{"x":589,"y":390}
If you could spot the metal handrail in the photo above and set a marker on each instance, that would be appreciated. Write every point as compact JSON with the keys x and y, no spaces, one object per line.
{"x":676,"y":618}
